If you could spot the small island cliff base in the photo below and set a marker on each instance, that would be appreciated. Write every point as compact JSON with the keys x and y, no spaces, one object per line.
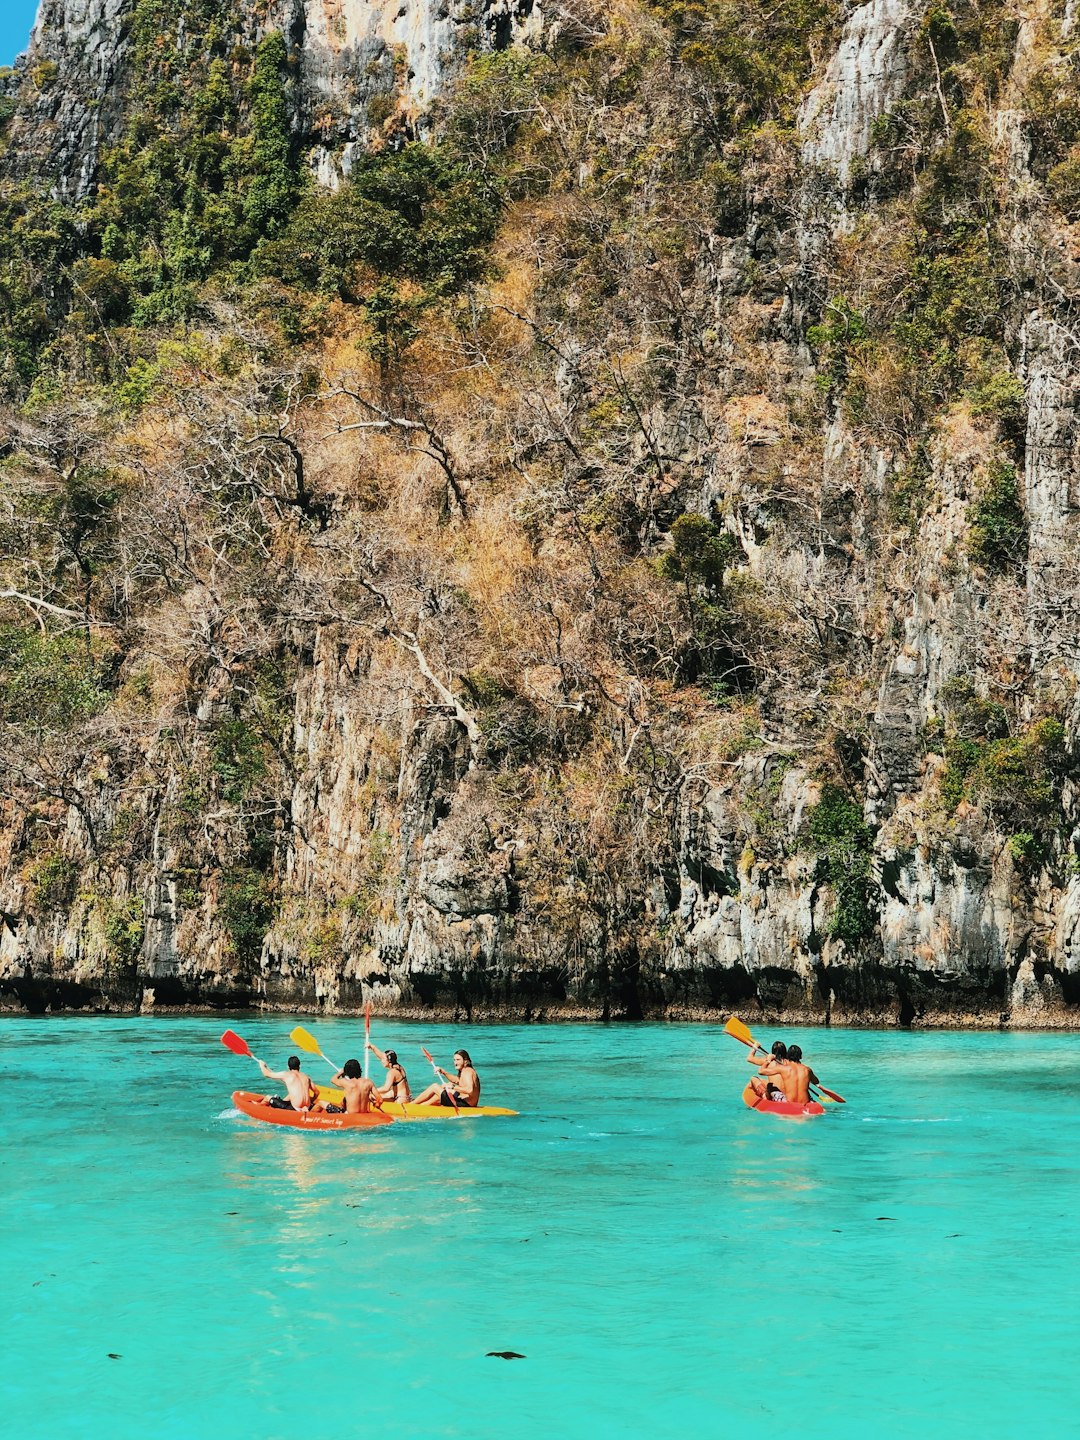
{"x":41,"y":995}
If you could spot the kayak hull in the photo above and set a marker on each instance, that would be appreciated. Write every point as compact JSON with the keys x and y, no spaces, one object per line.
{"x":329,"y":1095}
{"x":781,"y":1107}
{"x":250,"y":1104}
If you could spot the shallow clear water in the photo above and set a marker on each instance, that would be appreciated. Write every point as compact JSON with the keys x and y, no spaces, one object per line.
{"x":670,"y":1263}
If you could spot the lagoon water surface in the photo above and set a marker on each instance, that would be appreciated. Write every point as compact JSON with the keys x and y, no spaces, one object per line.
{"x":668,"y":1263}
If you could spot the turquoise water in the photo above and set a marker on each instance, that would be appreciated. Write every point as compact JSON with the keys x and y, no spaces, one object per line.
{"x":669,"y":1263}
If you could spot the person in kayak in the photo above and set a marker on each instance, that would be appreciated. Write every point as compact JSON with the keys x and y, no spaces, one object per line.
{"x":302,"y":1094}
{"x":768,"y":1083}
{"x":396,"y":1084}
{"x":360,"y":1093}
{"x":465,"y":1085}
{"x":800,"y":1075}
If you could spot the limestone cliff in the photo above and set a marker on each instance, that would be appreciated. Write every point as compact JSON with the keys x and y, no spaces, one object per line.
{"x":674,"y":614}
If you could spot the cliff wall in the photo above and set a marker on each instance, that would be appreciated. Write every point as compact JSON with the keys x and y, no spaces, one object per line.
{"x":671,"y":611}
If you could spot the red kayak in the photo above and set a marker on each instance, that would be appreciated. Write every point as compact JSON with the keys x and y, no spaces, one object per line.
{"x":253,"y":1105}
{"x":780,"y":1107}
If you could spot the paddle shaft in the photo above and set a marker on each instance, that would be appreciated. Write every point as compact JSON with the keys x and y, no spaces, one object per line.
{"x":442,"y":1080}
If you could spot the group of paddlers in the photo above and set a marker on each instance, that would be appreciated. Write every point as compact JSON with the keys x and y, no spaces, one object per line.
{"x":781,"y":1074}
{"x":359,"y":1094}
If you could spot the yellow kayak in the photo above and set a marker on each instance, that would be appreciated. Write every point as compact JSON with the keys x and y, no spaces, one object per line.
{"x":328,"y":1094}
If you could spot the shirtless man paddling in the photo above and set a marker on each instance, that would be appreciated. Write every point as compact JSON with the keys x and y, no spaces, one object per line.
{"x":360,"y":1093}
{"x":465,"y":1085}
{"x":768,"y":1083}
{"x":301,"y":1092}
{"x":781,"y":1076}
{"x":797,"y":1079}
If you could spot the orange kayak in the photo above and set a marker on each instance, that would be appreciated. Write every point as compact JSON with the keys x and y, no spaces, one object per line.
{"x":780,"y":1107}
{"x":252,"y":1105}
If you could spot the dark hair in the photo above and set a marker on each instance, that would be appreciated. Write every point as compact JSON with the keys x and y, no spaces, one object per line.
{"x":780,"y":1050}
{"x":465,"y":1057}
{"x":294,"y":1062}
{"x":794,"y":1053}
{"x":391,"y":1056}
{"x":352,"y":1069}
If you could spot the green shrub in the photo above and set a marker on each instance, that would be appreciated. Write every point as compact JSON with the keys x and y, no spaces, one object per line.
{"x":247,"y":908}
{"x":837,"y":829}
{"x":968,"y":715}
{"x":997,"y":527}
{"x":750,"y":61}
{"x":53,"y":880}
{"x":699,"y":555}
{"x":1017,"y":778}
{"x":415,"y":213}
{"x":238,"y":758}
{"x":1027,"y":849}
{"x":48,"y":682}
{"x":1063,"y":186}
{"x":124,"y":927}
{"x":274,"y":183}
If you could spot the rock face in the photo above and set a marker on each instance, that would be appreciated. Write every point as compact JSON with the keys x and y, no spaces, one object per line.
{"x":862,"y":82}
{"x":361,"y":67}
{"x":353,"y":51}
{"x":441,"y":898}
{"x":72,"y":92}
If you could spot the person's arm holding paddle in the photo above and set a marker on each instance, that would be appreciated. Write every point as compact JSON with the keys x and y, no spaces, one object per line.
{"x":466,"y":1083}
{"x":388,"y":1089}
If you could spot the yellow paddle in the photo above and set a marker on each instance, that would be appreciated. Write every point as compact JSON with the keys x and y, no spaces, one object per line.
{"x":739,"y":1031}
{"x":307,"y":1041}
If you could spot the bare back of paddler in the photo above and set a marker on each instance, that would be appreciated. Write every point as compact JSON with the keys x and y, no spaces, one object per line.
{"x":298,"y":1086}
{"x":360,"y":1094}
{"x":796,"y":1078}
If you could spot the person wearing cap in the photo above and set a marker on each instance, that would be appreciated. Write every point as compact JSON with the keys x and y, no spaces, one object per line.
{"x":360,"y":1093}
{"x":396,"y":1084}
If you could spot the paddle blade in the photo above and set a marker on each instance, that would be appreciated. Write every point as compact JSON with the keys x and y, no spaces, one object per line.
{"x":428,"y":1055}
{"x":832,"y":1094}
{"x":232,"y":1042}
{"x":740,"y":1031}
{"x":305,"y":1040}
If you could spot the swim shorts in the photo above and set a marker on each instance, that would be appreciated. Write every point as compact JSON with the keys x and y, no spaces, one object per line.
{"x":444,"y":1099}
